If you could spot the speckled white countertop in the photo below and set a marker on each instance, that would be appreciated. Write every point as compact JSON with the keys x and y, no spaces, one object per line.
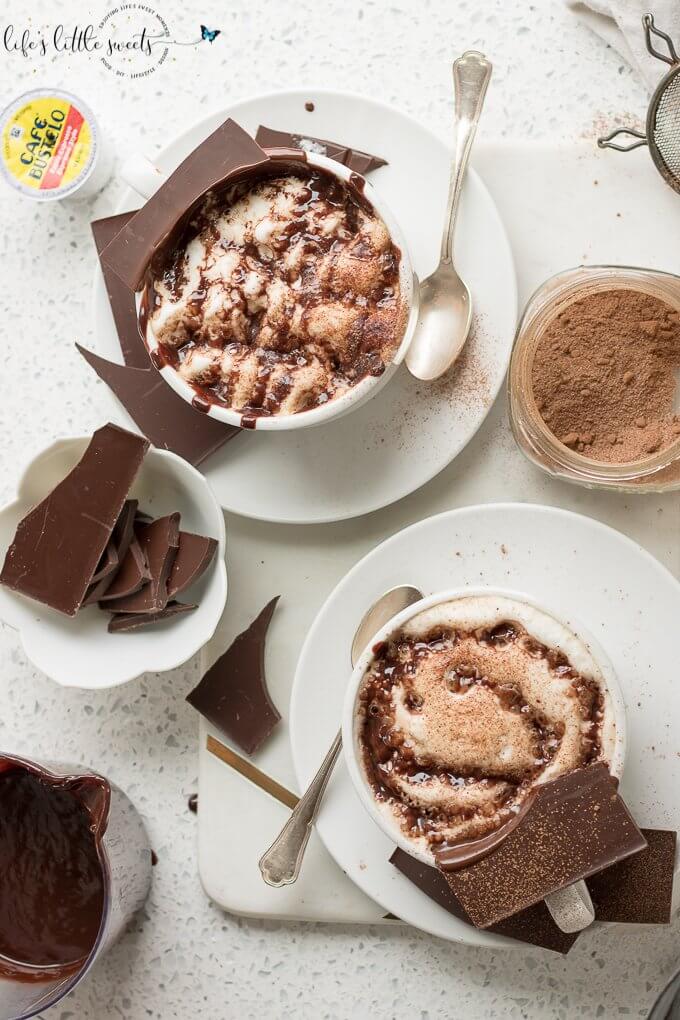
{"x":185,"y":958}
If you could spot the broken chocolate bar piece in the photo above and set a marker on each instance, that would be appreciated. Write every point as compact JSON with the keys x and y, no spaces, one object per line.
{"x":639,"y":890}
{"x":571,"y":828}
{"x":533,"y":925}
{"x":193,"y":557}
{"x":59,"y":544}
{"x":120,"y":543}
{"x":233,"y":694}
{"x":121,"y":298}
{"x":134,"y":573}
{"x":122,"y":622}
{"x":107,"y":565}
{"x":354,"y":159}
{"x":164,"y":418}
{"x":228,"y":153}
{"x":159,"y":541}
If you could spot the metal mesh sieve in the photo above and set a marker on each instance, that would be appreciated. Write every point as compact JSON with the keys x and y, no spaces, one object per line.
{"x":664,"y":136}
{"x":663,"y":117}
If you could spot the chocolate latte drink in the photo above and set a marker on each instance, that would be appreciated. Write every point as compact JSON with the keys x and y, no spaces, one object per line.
{"x":280,"y":295}
{"x":468,"y":706}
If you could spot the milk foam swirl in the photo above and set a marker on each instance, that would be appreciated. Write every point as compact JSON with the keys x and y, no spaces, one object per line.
{"x":468,"y":707}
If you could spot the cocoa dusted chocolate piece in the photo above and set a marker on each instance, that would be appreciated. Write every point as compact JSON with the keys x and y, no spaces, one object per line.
{"x":533,"y":925}
{"x":356,"y":160}
{"x":571,"y":828}
{"x":120,"y":622}
{"x":228,"y":153}
{"x":193,"y":558}
{"x":121,"y":298}
{"x":159,"y":413}
{"x":59,"y":544}
{"x":159,"y":541}
{"x":233,"y":694}
{"x":639,"y":890}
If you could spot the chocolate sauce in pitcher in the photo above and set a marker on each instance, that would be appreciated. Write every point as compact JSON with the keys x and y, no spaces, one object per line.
{"x":51,"y":874}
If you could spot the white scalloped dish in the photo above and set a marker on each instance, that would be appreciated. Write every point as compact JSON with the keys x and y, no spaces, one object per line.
{"x":78,"y":651}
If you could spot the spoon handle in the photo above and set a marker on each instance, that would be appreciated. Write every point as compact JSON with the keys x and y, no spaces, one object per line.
{"x":471,"y":76}
{"x":280,"y":864}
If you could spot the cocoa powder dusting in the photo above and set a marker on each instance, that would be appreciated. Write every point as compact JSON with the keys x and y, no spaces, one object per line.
{"x":603,"y":375}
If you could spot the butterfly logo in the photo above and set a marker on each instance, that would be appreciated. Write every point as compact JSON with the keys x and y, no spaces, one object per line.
{"x":209,"y":34}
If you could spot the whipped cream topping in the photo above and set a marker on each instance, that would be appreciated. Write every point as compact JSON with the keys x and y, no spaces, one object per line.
{"x":470,"y":705}
{"x":281,"y":295}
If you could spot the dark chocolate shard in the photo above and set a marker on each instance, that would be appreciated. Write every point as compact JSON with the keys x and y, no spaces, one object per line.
{"x":159,"y":541}
{"x":134,"y":573}
{"x":193,"y":558}
{"x":576,"y":826}
{"x":108,"y":564}
{"x":120,"y":541}
{"x":354,"y":159}
{"x":59,"y":544}
{"x":233,"y":694}
{"x":122,"y":622}
{"x":121,"y":298}
{"x":533,"y":925}
{"x":639,"y":890}
{"x":228,"y":153}
{"x":164,"y":418}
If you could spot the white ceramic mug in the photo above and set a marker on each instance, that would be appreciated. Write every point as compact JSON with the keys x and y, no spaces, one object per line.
{"x":145,"y":179}
{"x":571,"y":908}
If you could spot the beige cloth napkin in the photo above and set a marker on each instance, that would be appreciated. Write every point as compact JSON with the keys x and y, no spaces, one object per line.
{"x":619,"y":23}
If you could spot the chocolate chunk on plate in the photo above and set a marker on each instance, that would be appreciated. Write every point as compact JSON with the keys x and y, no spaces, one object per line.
{"x":60,"y":543}
{"x":123,"y":622}
{"x":160,"y":413}
{"x":116,"y":550}
{"x":193,"y":558}
{"x":639,"y":890}
{"x":533,"y":925}
{"x":572,"y":827}
{"x":121,"y":298}
{"x":355,"y":159}
{"x":159,"y":541}
{"x":134,"y":573}
{"x":233,"y":694}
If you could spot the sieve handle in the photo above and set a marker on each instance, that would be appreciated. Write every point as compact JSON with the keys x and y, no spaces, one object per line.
{"x":608,"y":141}
{"x":650,"y":29}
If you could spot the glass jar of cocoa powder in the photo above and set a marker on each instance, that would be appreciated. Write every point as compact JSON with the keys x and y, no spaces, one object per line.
{"x":592,"y":379}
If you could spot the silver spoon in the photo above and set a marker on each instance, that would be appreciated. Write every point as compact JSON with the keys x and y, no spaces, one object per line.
{"x":280,"y":864}
{"x":445,"y":310}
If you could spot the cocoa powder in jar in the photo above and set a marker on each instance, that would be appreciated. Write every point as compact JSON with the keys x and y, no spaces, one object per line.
{"x":604,"y":375}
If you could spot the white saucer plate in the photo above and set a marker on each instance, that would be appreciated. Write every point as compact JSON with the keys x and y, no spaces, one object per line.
{"x":411,"y":430}
{"x":582,"y":570}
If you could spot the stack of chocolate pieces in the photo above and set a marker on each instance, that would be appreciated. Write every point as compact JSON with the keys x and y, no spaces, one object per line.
{"x":87,"y":543}
{"x":574,"y":828}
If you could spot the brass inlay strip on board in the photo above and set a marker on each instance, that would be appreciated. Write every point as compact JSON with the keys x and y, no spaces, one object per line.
{"x":255,"y":775}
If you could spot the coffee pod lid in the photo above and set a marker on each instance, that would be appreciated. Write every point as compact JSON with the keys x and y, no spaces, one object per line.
{"x":50,"y":145}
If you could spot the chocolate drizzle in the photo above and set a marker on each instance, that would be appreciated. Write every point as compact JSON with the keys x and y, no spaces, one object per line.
{"x":325,"y":315}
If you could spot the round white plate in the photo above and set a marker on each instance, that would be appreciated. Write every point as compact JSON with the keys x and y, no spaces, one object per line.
{"x":411,"y":430}
{"x":584,"y":571}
